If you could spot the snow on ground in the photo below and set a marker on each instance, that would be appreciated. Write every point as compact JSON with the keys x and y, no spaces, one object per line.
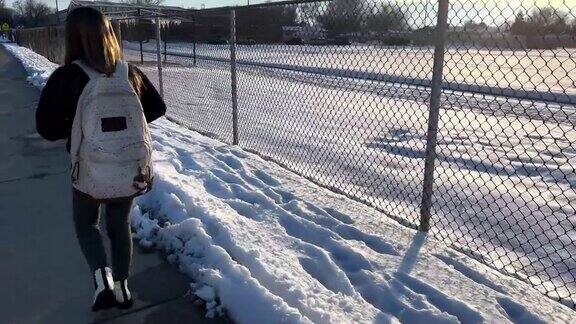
{"x":505,"y":178}
{"x":267,"y":246}
{"x":296,"y":252}
{"x":38,"y":67}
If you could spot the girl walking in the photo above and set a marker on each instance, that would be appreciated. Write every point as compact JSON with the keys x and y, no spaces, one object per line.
{"x":102,"y":106}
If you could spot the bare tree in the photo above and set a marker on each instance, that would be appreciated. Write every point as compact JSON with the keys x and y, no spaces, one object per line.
{"x":4,"y":12}
{"x":6,"y":15}
{"x":541,"y":21}
{"x":31,"y":12}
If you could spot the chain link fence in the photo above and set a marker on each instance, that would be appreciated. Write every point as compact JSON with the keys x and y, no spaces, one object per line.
{"x":454,"y":117}
{"x":48,"y":41}
{"x":505,"y":184}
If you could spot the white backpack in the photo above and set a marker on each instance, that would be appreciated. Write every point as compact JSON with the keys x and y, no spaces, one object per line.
{"x":111,"y":147}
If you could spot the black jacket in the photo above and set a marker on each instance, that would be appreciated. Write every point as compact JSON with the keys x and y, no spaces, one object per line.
{"x":57,"y":106}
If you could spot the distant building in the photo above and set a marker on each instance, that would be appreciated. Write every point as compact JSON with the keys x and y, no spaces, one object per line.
{"x":56,"y":18}
{"x":123,"y":10}
{"x":302,"y":34}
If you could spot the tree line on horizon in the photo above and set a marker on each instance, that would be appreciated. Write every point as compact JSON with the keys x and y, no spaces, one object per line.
{"x":370,"y":16}
{"x":544,"y":21}
{"x":25,"y":13}
{"x":355,"y":19}
{"x":352,"y":18}
{"x":35,"y":13}
{"x":265,"y":24}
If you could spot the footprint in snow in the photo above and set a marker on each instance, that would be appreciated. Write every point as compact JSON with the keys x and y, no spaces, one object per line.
{"x":324,"y":220}
{"x":266,"y":178}
{"x":318,"y":265}
{"x":231,"y":161}
{"x":469,"y":273}
{"x":339,"y":216}
{"x":218,"y":188}
{"x":287,"y":196}
{"x":518,"y":313}
{"x":239,"y":154}
{"x":188,"y":161}
{"x":443,"y":302}
{"x":227,"y":177}
{"x":245,"y":209}
{"x":222,"y":149}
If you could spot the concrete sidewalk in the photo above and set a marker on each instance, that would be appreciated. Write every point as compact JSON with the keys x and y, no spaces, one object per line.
{"x":44,"y":275}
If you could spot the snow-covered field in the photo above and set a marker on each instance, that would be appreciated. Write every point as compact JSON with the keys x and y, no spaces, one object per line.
{"x":541,"y":70}
{"x":267,"y":246}
{"x":506,"y":173}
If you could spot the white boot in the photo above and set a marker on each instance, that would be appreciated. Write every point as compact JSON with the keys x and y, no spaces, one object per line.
{"x":104,"y":294}
{"x":123,"y":296}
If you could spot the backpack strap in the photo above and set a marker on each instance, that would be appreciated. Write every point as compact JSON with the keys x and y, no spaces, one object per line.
{"x":122,"y":70}
{"x":92,"y":74}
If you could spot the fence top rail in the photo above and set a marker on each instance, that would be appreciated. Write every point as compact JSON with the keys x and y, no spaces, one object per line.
{"x":120,"y":5}
{"x":147,"y":15}
{"x":40,"y":27}
{"x":122,"y":11}
{"x":168,"y":10}
{"x":259,"y":5}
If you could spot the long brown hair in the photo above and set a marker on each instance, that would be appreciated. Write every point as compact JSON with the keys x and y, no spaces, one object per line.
{"x":90,"y":37}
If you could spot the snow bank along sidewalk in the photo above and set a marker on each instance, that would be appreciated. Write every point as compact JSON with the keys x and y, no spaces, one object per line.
{"x":39,"y":249}
{"x":267,"y":246}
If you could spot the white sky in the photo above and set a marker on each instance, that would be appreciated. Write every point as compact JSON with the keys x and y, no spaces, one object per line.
{"x":181,"y":3}
{"x":492,"y":12}
{"x":220,"y":3}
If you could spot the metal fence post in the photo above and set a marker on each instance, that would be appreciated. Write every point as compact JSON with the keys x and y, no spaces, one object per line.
{"x":166,"y":45}
{"x":194,"y":39}
{"x":140,"y":38}
{"x":436,"y":93}
{"x":159,"y":57}
{"x":119,"y":37}
{"x":234,"y":76}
